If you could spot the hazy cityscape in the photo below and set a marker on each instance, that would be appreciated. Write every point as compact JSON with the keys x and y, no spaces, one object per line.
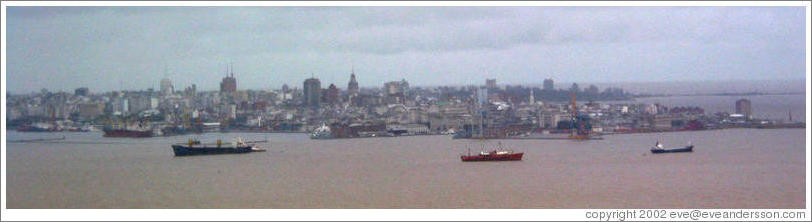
{"x":395,"y":108}
{"x":407,"y":108}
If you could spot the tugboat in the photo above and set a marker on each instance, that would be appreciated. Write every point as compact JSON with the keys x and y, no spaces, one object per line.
{"x":658,"y":148}
{"x":323,"y":132}
{"x":194,"y":147}
{"x":493,"y":155}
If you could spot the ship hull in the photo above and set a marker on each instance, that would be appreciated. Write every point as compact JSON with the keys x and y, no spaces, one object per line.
{"x":678,"y":150}
{"x":495,"y":157}
{"x":34,"y":129}
{"x":127,"y":133}
{"x":321,"y":136}
{"x":192,"y":151}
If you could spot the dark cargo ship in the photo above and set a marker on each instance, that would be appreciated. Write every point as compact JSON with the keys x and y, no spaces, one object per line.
{"x":658,"y":148}
{"x":194,"y":147}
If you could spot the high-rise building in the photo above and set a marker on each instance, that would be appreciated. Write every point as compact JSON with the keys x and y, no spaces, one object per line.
{"x":574,"y":88}
{"x":190,"y":91}
{"x":166,"y":86}
{"x":396,"y":87}
{"x":312,"y":92}
{"x":81,"y":91}
{"x":331,"y":94}
{"x":352,"y":87}
{"x":548,"y":84}
{"x":743,"y":107}
{"x":490,"y":83}
{"x":532,"y":99}
{"x":229,"y":83}
{"x":482,"y":96}
{"x":396,"y":92}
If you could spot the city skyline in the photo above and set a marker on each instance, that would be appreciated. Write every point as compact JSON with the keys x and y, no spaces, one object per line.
{"x":113,"y":48}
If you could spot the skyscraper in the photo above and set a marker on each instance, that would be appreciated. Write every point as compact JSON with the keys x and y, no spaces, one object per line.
{"x":548,"y":84}
{"x":312,"y":92}
{"x":81,"y":91}
{"x":743,"y":107}
{"x":490,"y":83}
{"x":331,"y":95}
{"x":166,"y":86}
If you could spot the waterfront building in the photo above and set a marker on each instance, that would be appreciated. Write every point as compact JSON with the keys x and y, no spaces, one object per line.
{"x":312,"y":92}
{"x":743,"y":107}
{"x":125,"y":106}
{"x":90,"y":110}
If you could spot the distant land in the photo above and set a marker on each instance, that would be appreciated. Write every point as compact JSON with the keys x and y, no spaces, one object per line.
{"x":720,"y":94}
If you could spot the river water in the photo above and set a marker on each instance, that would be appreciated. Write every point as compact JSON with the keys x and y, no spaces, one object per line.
{"x":733,"y":168}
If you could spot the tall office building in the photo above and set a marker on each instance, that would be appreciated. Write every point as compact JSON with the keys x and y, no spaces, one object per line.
{"x":331,"y":94}
{"x":166,"y":86}
{"x":743,"y":107}
{"x":84,"y":91}
{"x":312,"y":92}
{"x":490,"y":83}
{"x":548,"y":84}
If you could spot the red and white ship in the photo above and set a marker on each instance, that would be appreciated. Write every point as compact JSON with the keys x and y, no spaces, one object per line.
{"x":493,"y":155}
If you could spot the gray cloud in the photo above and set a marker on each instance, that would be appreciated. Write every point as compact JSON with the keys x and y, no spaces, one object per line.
{"x":68,"y":47}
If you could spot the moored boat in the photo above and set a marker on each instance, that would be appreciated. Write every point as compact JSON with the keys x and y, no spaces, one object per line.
{"x":658,"y":148}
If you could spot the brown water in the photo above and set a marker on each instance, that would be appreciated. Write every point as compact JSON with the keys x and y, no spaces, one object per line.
{"x":739,"y":168}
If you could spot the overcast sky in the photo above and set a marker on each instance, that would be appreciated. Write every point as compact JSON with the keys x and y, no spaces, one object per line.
{"x":107,"y":48}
